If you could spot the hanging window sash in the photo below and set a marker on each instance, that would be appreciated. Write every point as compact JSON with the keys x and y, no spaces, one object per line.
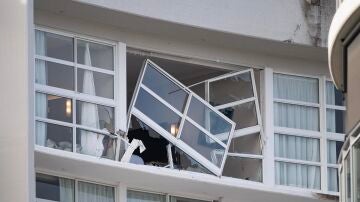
{"x":182,"y":117}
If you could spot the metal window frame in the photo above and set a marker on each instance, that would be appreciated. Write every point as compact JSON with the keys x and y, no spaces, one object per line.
{"x":176,"y":141}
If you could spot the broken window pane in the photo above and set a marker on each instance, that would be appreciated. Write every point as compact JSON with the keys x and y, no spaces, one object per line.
{"x":243,"y":168}
{"x":247,"y":144}
{"x":244,"y":115}
{"x":157,"y":111}
{"x":202,"y":143}
{"x":237,"y":87}
{"x":166,"y":89}
{"x":209,"y":120}
{"x":182,"y":161}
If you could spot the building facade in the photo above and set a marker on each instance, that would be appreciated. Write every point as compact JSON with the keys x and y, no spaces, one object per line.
{"x":343,"y":53}
{"x":168,"y":101}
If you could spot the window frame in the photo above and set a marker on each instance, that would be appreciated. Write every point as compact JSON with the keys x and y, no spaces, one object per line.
{"x":322,"y":135}
{"x":119,"y":87}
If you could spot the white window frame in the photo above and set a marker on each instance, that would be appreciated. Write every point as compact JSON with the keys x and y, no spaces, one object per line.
{"x":76,"y":181}
{"x":176,"y":141}
{"x":322,"y":134}
{"x":119,"y":73}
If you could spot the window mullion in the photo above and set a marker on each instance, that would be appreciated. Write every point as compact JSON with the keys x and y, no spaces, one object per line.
{"x":323,"y":140}
{"x":74,"y":99}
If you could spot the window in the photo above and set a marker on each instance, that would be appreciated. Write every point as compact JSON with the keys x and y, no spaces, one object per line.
{"x":182,"y":117}
{"x":356,"y":170}
{"x":335,"y":130}
{"x":296,"y":109}
{"x":299,"y":134}
{"x":139,"y":196}
{"x":52,"y":188}
{"x":76,"y":101}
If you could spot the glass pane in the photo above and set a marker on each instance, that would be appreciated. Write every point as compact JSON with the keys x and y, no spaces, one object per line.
{"x":137,"y":196}
{"x":199,"y":89}
{"x":54,"y":188}
{"x":335,"y":121}
{"x":54,"y":45}
{"x":295,"y":147}
{"x":296,"y":88}
{"x":296,"y":116}
{"x":95,"y":193}
{"x":53,"y":107}
{"x":165,"y":88}
{"x":203,"y":144}
{"x":209,"y":120}
{"x":237,"y":87}
{"x":95,"y":116}
{"x":54,"y":136}
{"x":243,"y":115}
{"x":95,"y":144}
{"x":95,"y":83}
{"x":248,"y":144}
{"x":347,"y":179}
{"x":333,"y":96}
{"x":334,"y":148}
{"x":180,"y":199}
{"x":158,"y":112}
{"x":96,"y":55}
{"x":297,"y":175}
{"x":356,"y":170}
{"x":333,"y":180}
{"x":243,"y":168}
{"x":54,"y":74}
{"x":182,"y":161}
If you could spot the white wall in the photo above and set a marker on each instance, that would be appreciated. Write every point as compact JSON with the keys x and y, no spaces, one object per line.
{"x":16,"y":126}
{"x":294,"y":21}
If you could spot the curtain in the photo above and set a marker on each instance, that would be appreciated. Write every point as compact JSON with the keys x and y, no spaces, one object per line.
{"x":66,"y":190}
{"x":88,"y":192}
{"x":136,"y":196}
{"x":40,"y":78}
{"x":301,"y":117}
{"x":332,"y":179}
{"x":331,"y":151}
{"x":91,"y":143}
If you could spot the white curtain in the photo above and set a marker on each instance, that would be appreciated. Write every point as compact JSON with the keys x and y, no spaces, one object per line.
{"x":296,"y":116}
{"x":40,"y":78}
{"x":330,"y":114}
{"x":332,"y":179}
{"x":66,"y":190}
{"x":88,"y":192}
{"x":331,"y":152}
{"x":91,"y":143}
{"x":136,"y":196}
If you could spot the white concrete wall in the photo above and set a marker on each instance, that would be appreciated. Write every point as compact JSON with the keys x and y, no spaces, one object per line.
{"x":294,"y":21}
{"x":186,"y":48}
{"x":16,"y":126}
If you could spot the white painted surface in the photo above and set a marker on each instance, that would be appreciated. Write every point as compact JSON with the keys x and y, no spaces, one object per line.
{"x":279,"y":20}
{"x":16,"y":126}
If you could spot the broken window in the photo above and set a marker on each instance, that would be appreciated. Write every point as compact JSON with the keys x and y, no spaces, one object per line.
{"x":235,"y":95}
{"x":181,"y":117}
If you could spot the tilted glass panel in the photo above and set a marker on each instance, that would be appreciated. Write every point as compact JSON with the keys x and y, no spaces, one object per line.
{"x":296,"y":147}
{"x":203,"y":144}
{"x":96,"y":55}
{"x":199,"y":89}
{"x":54,"y":45}
{"x":165,"y":88}
{"x":53,"y":107}
{"x":243,"y":168}
{"x":54,"y":136}
{"x":157,"y":111}
{"x":95,"y":83}
{"x":209,"y":120}
{"x":244,"y":115}
{"x":296,"y":88}
{"x":54,"y":74}
{"x":231,"y":89}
